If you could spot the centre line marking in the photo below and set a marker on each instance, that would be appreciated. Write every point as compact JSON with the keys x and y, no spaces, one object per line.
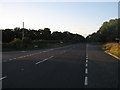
{"x":86,"y":65}
{"x":86,"y":81}
{"x":14,"y":58}
{"x":86,"y":71}
{"x":86,"y":61}
{"x":3,"y":78}
{"x":44,"y":60}
{"x":10,"y":59}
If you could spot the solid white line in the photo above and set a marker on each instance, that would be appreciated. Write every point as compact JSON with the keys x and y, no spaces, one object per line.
{"x":86,"y":71}
{"x":44,"y":60}
{"x":86,"y":81}
{"x":3,"y":78}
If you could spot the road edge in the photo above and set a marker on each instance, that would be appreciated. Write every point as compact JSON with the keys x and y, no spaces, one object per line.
{"x":112,"y":55}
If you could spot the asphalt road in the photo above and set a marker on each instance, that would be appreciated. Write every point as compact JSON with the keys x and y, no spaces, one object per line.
{"x":73,"y":66}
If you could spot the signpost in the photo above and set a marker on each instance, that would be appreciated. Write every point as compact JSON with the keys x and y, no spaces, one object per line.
{"x":23,"y":32}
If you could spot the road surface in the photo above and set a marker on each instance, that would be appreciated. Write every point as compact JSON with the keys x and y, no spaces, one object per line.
{"x":73,"y":66}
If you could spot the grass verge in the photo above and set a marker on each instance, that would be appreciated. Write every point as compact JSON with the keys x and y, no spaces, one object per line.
{"x":112,"y":48}
{"x":41,"y":46}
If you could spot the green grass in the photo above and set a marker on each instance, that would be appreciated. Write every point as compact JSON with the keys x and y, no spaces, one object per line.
{"x":113,"y":48}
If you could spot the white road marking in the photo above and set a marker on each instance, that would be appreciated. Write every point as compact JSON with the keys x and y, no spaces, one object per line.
{"x":44,"y":60}
{"x":10,"y":59}
{"x":20,"y":57}
{"x":30,"y":54}
{"x":14,"y":58}
{"x":23,"y":51}
{"x":86,"y":71}
{"x":3,"y":78}
{"x":22,"y":69}
{"x":86,"y":81}
{"x":86,"y":61}
{"x":45,"y":51}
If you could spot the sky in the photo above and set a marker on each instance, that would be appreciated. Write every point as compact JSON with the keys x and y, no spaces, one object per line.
{"x":82,"y":18}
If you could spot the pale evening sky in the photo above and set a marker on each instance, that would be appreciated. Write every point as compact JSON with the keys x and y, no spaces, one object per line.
{"x":76,"y":17}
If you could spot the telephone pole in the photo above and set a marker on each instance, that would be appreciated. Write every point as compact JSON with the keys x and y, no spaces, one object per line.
{"x":23,"y":32}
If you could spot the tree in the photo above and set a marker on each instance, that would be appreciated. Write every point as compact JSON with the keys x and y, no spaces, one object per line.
{"x":108,"y":32}
{"x":46,"y":34}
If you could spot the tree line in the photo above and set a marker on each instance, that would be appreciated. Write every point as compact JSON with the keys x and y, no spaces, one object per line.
{"x":108,"y":32}
{"x":9,"y":35}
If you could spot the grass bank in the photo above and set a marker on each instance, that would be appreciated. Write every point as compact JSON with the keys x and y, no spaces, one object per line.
{"x":112,"y":48}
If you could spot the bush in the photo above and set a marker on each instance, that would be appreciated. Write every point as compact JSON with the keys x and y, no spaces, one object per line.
{"x":27,"y":43}
{"x":16,"y":43}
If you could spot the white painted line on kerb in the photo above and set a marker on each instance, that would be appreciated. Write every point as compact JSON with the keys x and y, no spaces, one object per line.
{"x":86,"y":71}
{"x":3,"y":78}
{"x":44,"y":60}
{"x":86,"y":81}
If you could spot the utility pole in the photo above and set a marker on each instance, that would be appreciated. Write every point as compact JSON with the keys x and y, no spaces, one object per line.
{"x":23,"y":32}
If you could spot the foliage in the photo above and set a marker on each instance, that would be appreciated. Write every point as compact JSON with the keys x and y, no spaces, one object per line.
{"x":16,"y":43}
{"x":9,"y":35}
{"x":42,"y":38}
{"x":108,"y":32}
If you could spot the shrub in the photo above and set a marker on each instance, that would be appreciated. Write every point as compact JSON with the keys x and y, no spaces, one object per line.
{"x":16,"y":43}
{"x":27,"y":43}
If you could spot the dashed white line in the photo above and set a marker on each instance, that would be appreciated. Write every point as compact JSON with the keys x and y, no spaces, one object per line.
{"x":44,"y":60}
{"x":86,"y":71}
{"x":86,"y":65}
{"x":14,"y":58}
{"x":86,"y":61}
{"x":10,"y":59}
{"x":86,"y":81}
{"x":29,"y":55}
{"x":22,"y":69}
{"x":3,"y":78}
